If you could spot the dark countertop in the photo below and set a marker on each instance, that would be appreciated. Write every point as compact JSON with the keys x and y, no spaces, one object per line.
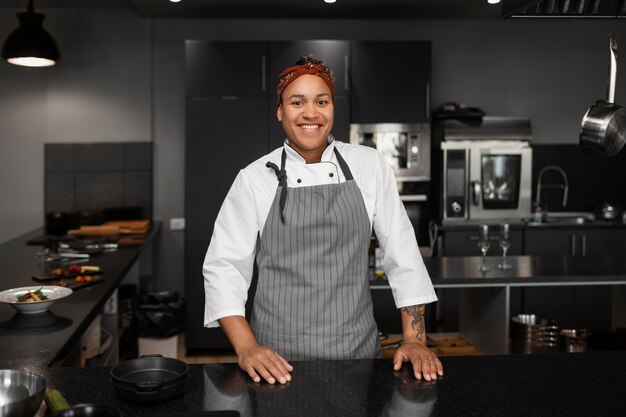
{"x":45,"y":339}
{"x":526,"y":271}
{"x":472,"y":225}
{"x":555,"y":384}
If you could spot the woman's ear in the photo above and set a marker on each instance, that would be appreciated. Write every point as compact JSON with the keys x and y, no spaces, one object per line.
{"x":279,"y":113}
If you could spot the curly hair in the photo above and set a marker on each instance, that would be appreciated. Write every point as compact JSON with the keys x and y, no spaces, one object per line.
{"x":311,"y":60}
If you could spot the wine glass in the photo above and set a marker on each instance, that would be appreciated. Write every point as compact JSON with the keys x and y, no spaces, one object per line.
{"x":483,"y":245}
{"x":505,"y":244}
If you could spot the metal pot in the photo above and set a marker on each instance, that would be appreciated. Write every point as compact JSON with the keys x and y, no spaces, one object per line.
{"x":21,"y":393}
{"x":574,"y":340}
{"x":602,"y":131}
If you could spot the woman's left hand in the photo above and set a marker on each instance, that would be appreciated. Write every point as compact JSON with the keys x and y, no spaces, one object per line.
{"x":424,"y":361}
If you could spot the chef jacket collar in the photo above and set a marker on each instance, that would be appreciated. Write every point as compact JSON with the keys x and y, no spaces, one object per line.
{"x":293,"y":155}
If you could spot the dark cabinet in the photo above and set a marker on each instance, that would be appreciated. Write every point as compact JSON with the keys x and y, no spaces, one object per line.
{"x":551,"y":242}
{"x":226,"y":129}
{"x":226,"y":69}
{"x":390,"y":81}
{"x":336,"y":55}
{"x":581,"y":241}
{"x":223,"y":136}
{"x":465,"y":243}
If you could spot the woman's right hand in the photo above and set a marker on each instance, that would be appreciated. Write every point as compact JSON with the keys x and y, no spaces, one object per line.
{"x":262,"y":362}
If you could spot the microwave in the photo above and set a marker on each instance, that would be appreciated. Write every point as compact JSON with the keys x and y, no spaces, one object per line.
{"x":405,"y":147}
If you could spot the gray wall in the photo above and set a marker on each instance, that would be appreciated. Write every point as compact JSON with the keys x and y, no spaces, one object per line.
{"x":121,"y":78}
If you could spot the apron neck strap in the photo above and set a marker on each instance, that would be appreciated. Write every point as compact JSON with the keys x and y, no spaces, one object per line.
{"x":343,"y":165}
{"x":281,"y":174}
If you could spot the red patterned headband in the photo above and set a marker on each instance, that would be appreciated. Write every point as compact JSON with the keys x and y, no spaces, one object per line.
{"x":291,"y":73}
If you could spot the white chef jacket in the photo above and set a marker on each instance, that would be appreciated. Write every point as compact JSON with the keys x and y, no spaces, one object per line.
{"x":229,"y":260}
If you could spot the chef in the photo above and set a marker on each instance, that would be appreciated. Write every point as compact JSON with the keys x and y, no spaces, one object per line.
{"x":306,"y":211}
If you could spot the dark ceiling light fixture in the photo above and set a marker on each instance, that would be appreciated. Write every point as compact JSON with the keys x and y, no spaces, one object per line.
{"x":30,"y":45}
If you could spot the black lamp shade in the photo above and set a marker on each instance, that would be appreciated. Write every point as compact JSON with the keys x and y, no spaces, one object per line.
{"x":30,"y":44}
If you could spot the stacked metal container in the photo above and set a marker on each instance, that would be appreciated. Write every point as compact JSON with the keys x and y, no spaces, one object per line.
{"x":532,"y":334}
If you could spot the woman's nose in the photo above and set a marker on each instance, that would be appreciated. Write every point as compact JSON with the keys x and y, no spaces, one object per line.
{"x":310,"y":110}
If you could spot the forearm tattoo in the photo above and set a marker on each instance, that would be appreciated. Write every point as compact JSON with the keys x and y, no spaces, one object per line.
{"x":417,"y":319}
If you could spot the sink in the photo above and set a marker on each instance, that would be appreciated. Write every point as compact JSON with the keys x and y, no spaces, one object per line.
{"x":562,"y":218}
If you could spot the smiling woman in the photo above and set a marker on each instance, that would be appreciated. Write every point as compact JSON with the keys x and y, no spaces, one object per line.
{"x":305,"y":212}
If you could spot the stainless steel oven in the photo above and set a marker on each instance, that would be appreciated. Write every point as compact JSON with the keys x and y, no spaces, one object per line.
{"x":487,"y":169}
{"x":406,"y":147}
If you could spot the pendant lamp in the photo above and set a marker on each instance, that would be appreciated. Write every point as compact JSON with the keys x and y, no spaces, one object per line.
{"x":30,"y":45}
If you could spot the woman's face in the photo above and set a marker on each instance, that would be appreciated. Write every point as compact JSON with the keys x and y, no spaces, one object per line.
{"x":306,"y":113}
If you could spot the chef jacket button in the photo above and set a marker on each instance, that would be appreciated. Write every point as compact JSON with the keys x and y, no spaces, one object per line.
{"x":331,"y":174}
{"x":299,"y":180}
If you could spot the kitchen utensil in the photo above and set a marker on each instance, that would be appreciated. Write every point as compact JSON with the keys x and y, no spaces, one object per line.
{"x":88,"y":410}
{"x":149,"y":378}
{"x":53,"y":293}
{"x":21,"y":393}
{"x":602,"y":131}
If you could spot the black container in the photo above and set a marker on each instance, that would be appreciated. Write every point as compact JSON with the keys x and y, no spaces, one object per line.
{"x":57,"y":223}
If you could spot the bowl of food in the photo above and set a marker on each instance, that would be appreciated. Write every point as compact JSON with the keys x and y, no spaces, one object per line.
{"x":35,"y":299}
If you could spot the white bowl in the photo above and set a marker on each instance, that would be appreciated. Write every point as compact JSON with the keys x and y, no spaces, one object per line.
{"x":53,"y":293}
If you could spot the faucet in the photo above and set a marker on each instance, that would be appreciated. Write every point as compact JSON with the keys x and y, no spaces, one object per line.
{"x":540,"y":185}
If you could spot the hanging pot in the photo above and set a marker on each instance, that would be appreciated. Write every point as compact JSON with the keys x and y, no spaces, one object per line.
{"x":603,"y":126}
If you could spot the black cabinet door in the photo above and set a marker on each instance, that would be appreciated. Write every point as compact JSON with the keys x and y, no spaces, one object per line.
{"x":576,"y":241}
{"x":550,"y":242}
{"x":390,"y":81}
{"x":336,"y":55}
{"x":226,"y":69}
{"x":223,"y":136}
{"x":465,"y":243}
{"x":602,"y":241}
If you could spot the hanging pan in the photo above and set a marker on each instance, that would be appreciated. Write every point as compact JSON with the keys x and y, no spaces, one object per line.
{"x":602,"y":128}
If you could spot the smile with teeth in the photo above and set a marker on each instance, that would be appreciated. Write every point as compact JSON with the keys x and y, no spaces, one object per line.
{"x":310,"y":127}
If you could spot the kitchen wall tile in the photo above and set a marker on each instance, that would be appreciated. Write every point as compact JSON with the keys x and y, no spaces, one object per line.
{"x":98,"y":190}
{"x":99,"y":157}
{"x":138,"y":156}
{"x":59,"y":157}
{"x":138,"y":191}
{"x":91,"y":177}
{"x":59,"y":192}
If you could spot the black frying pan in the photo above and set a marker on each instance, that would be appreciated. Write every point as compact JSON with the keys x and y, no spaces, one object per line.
{"x":149,"y":378}
{"x":88,"y":410}
{"x":602,"y":131}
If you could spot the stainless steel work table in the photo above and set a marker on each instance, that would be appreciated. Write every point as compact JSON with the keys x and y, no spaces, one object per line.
{"x":485,"y":297}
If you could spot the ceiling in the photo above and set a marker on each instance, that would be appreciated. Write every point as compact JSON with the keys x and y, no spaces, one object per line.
{"x":268,"y":9}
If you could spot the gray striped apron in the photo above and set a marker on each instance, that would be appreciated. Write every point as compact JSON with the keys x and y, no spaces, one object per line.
{"x":312,"y":299}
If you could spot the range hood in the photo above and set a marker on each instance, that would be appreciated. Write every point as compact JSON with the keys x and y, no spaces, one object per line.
{"x":564,"y":8}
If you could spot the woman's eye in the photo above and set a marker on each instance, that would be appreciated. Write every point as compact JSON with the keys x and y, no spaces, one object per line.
{"x":296,"y":103}
{"x":322,"y":102}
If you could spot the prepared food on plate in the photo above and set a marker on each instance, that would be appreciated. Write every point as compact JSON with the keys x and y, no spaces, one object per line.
{"x":31,"y":296}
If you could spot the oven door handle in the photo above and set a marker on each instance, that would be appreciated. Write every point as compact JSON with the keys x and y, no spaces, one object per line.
{"x":413,"y":197}
{"x":475,"y":192}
